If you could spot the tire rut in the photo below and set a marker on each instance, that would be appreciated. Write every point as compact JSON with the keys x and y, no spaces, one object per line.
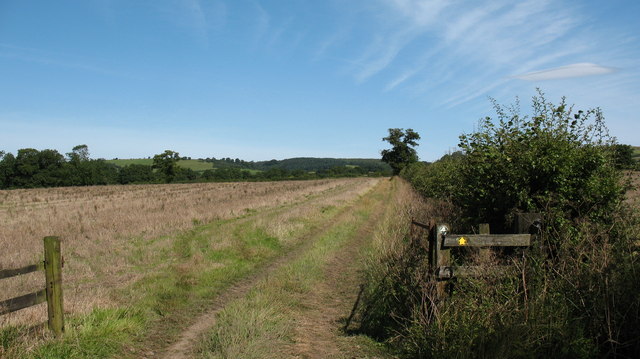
{"x":184,"y":346}
{"x":318,"y":331}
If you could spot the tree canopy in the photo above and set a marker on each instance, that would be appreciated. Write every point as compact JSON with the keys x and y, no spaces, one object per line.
{"x":167,"y":164}
{"x":402,"y":152}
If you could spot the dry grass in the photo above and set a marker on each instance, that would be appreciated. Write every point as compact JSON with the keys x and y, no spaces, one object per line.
{"x":407,"y":205}
{"x":100,"y":226}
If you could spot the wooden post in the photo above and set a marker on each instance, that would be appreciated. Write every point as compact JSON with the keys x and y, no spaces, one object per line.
{"x":53,"y":274}
{"x":443,"y":257}
{"x":485,"y":253}
{"x":433,"y":253}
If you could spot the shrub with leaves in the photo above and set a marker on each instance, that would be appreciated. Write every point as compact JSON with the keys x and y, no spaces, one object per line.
{"x":575,"y":291}
{"x":555,"y":159}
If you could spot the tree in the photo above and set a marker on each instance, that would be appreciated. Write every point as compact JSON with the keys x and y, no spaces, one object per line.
{"x":7,"y":168}
{"x":79,"y":153}
{"x":167,"y":164}
{"x":26,"y":166}
{"x":51,"y":169}
{"x":402,"y":152}
{"x":81,"y":171}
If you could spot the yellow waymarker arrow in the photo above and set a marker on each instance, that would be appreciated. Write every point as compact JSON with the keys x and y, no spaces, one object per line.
{"x":462,"y":241}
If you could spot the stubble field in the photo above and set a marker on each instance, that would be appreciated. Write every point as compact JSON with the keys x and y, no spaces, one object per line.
{"x":114,"y":236}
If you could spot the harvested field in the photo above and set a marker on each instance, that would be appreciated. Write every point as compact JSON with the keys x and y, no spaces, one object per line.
{"x":101,"y":227}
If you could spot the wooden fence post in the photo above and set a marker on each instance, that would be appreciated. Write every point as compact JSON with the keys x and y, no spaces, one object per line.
{"x":443,"y":257}
{"x":484,"y":253}
{"x":53,"y":274}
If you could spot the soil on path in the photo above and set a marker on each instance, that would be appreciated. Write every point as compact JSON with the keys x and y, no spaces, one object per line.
{"x":185,"y":345}
{"x":320,"y":329}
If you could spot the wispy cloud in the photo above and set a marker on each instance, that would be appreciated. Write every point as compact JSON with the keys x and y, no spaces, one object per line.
{"x":421,"y":13}
{"x":277,"y":33}
{"x":420,"y":45}
{"x":380,"y":55}
{"x":563,"y":72}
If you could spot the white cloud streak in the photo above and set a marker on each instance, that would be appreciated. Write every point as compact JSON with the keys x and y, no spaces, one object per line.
{"x":464,"y":50}
{"x":569,"y":71}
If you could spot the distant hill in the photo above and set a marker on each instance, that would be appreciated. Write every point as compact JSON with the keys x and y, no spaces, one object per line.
{"x":636,"y":153}
{"x":307,"y":164}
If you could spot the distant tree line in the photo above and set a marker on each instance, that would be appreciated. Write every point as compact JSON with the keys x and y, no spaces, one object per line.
{"x":308,"y":164}
{"x":31,"y":168}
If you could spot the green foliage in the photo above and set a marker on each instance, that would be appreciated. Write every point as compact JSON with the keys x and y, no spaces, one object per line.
{"x":573,"y":295}
{"x":7,"y":170}
{"x":48,"y":168}
{"x":623,"y":156}
{"x":136,"y":173}
{"x":196,"y":165}
{"x":555,"y":160}
{"x":437,"y":179}
{"x":402,"y":152}
{"x":167,"y":164}
{"x":306,"y":164}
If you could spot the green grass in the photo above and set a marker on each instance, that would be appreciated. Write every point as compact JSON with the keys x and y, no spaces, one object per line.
{"x":161,"y":302}
{"x":253,"y":326}
{"x":100,"y":334}
{"x":195,"y":165}
{"x":636,"y":152}
{"x":132,"y":161}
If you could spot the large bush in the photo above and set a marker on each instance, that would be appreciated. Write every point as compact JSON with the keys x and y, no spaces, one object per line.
{"x":575,"y":291}
{"x":555,"y":160}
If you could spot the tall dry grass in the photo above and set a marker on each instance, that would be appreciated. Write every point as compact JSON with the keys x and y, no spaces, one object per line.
{"x":99,"y":226}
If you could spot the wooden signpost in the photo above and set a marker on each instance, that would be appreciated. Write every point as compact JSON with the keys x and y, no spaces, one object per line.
{"x":441,"y":241}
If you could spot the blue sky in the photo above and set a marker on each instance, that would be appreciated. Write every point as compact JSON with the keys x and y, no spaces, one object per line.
{"x":286,"y":78}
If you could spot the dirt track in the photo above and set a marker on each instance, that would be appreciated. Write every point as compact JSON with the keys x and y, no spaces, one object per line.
{"x":318,"y":328}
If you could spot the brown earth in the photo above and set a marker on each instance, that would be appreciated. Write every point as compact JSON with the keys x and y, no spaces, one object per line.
{"x":185,"y":345}
{"x":321,"y":329}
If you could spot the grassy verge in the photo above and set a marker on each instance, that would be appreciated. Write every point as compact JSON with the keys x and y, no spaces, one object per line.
{"x":178,"y":276}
